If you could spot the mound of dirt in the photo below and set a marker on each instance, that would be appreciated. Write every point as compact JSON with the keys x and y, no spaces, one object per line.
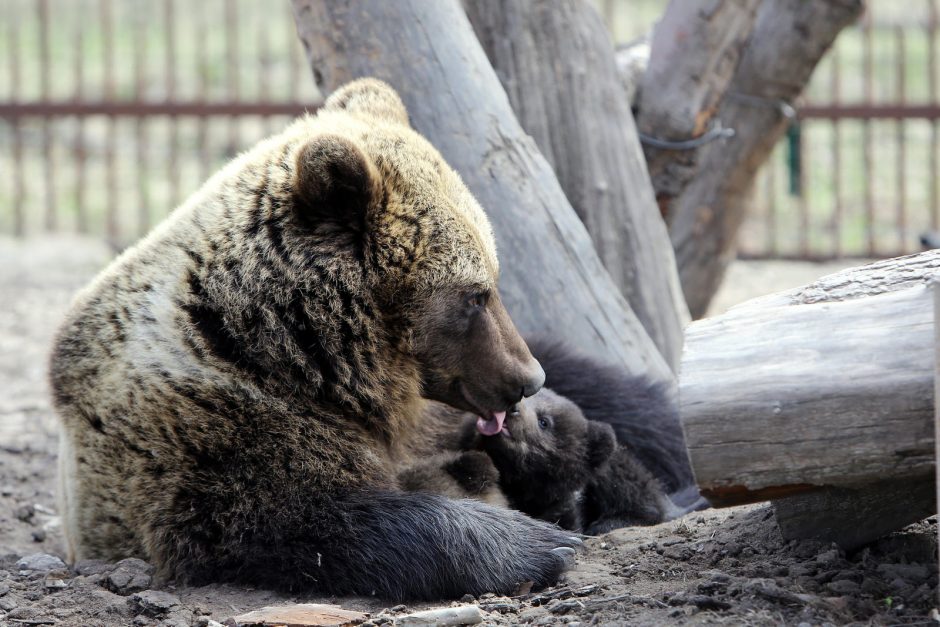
{"x":719,"y":566}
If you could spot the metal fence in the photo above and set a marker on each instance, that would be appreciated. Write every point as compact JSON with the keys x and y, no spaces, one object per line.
{"x":112,"y":111}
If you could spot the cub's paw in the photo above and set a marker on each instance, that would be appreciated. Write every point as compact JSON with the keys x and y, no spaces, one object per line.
{"x":473,"y":471}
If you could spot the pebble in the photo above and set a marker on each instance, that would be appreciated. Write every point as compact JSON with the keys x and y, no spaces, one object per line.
{"x":130,"y":575}
{"x":7,"y":604}
{"x":42,"y":562}
{"x":24,"y":512}
{"x":39,"y":535}
{"x":92,"y":567}
{"x":911,"y":572}
{"x":4,"y":588}
{"x":153,"y":603}
{"x":843,"y":587}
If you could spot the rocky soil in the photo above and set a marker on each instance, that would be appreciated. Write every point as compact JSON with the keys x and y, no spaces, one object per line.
{"x":717,"y":567}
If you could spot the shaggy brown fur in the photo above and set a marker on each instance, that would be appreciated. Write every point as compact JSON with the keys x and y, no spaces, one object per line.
{"x":235,"y":390}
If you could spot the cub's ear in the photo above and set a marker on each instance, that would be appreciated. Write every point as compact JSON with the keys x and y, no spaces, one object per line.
{"x":369,"y":96}
{"x":336,"y":182}
{"x":601,"y":443}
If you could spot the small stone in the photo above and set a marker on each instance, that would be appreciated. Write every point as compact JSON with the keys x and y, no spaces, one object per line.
{"x":24,"y":513}
{"x":130,"y":575}
{"x":87,"y":568}
{"x":7,"y":604}
{"x":4,"y":588}
{"x":153,"y":603}
{"x":467,"y":598}
{"x":843,"y":587}
{"x":7,"y":490}
{"x":42,"y":562}
{"x":827,"y":558}
{"x":914,"y":573}
{"x":55,"y":583}
{"x":39,"y":535}
{"x":717,"y":575}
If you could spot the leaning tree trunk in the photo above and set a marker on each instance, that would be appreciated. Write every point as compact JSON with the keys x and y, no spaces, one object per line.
{"x":694,"y":52}
{"x":556,"y":62}
{"x":552,"y":280}
{"x":788,"y":40}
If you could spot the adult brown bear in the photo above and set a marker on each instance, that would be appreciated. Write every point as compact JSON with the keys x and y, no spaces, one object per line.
{"x":236,"y":390}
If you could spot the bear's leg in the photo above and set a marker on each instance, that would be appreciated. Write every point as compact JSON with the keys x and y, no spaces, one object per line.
{"x":401,"y":545}
{"x":396,"y":545}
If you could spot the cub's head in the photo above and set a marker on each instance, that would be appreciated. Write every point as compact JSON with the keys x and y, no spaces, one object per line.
{"x":547,"y":446}
{"x":387,"y":201}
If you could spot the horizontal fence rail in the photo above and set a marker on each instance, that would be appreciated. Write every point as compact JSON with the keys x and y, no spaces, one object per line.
{"x":113,"y":112}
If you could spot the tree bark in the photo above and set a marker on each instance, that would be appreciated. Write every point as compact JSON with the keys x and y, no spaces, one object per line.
{"x":552,"y":280}
{"x":815,"y":388}
{"x":694,"y":52}
{"x":557,"y":65}
{"x":788,"y":40}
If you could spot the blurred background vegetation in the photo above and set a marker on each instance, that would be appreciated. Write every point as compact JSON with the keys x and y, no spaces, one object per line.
{"x":846,"y":187}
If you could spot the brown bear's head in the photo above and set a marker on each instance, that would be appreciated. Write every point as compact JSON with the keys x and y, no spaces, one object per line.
{"x":547,"y":448}
{"x":425,"y":247}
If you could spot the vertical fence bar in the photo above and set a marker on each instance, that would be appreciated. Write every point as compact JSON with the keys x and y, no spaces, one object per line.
{"x":932,"y":94}
{"x":19,"y":181}
{"x":202,"y":60}
{"x":107,"y":41}
{"x":837,"y":207}
{"x":80,"y":152}
{"x":868,"y":168}
{"x":294,"y":55}
{"x":45,"y":69}
{"x":140,"y":129}
{"x":772,"y":206}
{"x":803,"y":204}
{"x":169,"y":34}
{"x":900,"y":135}
{"x":233,"y":89}
{"x":264,"y":51}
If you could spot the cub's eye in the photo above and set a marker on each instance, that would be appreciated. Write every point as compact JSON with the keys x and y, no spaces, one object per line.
{"x":545,"y":423}
{"x":477,"y":301}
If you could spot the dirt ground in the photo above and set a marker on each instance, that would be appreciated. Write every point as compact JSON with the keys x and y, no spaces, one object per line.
{"x":716,"y":567}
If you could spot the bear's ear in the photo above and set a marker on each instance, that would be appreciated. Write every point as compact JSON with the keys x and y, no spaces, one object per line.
{"x":369,"y":96}
{"x":336,"y":182}
{"x":601,"y":443}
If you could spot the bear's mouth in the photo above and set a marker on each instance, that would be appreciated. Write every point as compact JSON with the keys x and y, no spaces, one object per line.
{"x":492,"y":423}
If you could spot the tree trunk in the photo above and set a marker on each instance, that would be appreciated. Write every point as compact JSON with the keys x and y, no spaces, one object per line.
{"x":556,"y":62}
{"x":552,"y":280}
{"x":788,"y":40}
{"x":695,"y":50}
{"x":829,"y":385}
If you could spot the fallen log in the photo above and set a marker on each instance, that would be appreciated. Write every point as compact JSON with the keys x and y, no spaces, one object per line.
{"x":830,"y":385}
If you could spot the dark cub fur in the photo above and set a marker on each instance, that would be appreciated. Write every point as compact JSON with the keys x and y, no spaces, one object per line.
{"x":556,"y":465}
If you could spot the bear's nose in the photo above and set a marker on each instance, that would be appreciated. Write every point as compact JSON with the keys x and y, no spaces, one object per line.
{"x":535,"y":379}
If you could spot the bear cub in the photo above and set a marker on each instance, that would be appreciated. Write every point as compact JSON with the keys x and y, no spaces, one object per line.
{"x":546,"y":460}
{"x":556,"y":465}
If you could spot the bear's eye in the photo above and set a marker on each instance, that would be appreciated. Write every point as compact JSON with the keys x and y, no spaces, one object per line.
{"x":545,"y":422}
{"x":477,"y":301}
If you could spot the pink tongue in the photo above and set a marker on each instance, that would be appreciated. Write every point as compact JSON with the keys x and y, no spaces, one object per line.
{"x":491,"y":426}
